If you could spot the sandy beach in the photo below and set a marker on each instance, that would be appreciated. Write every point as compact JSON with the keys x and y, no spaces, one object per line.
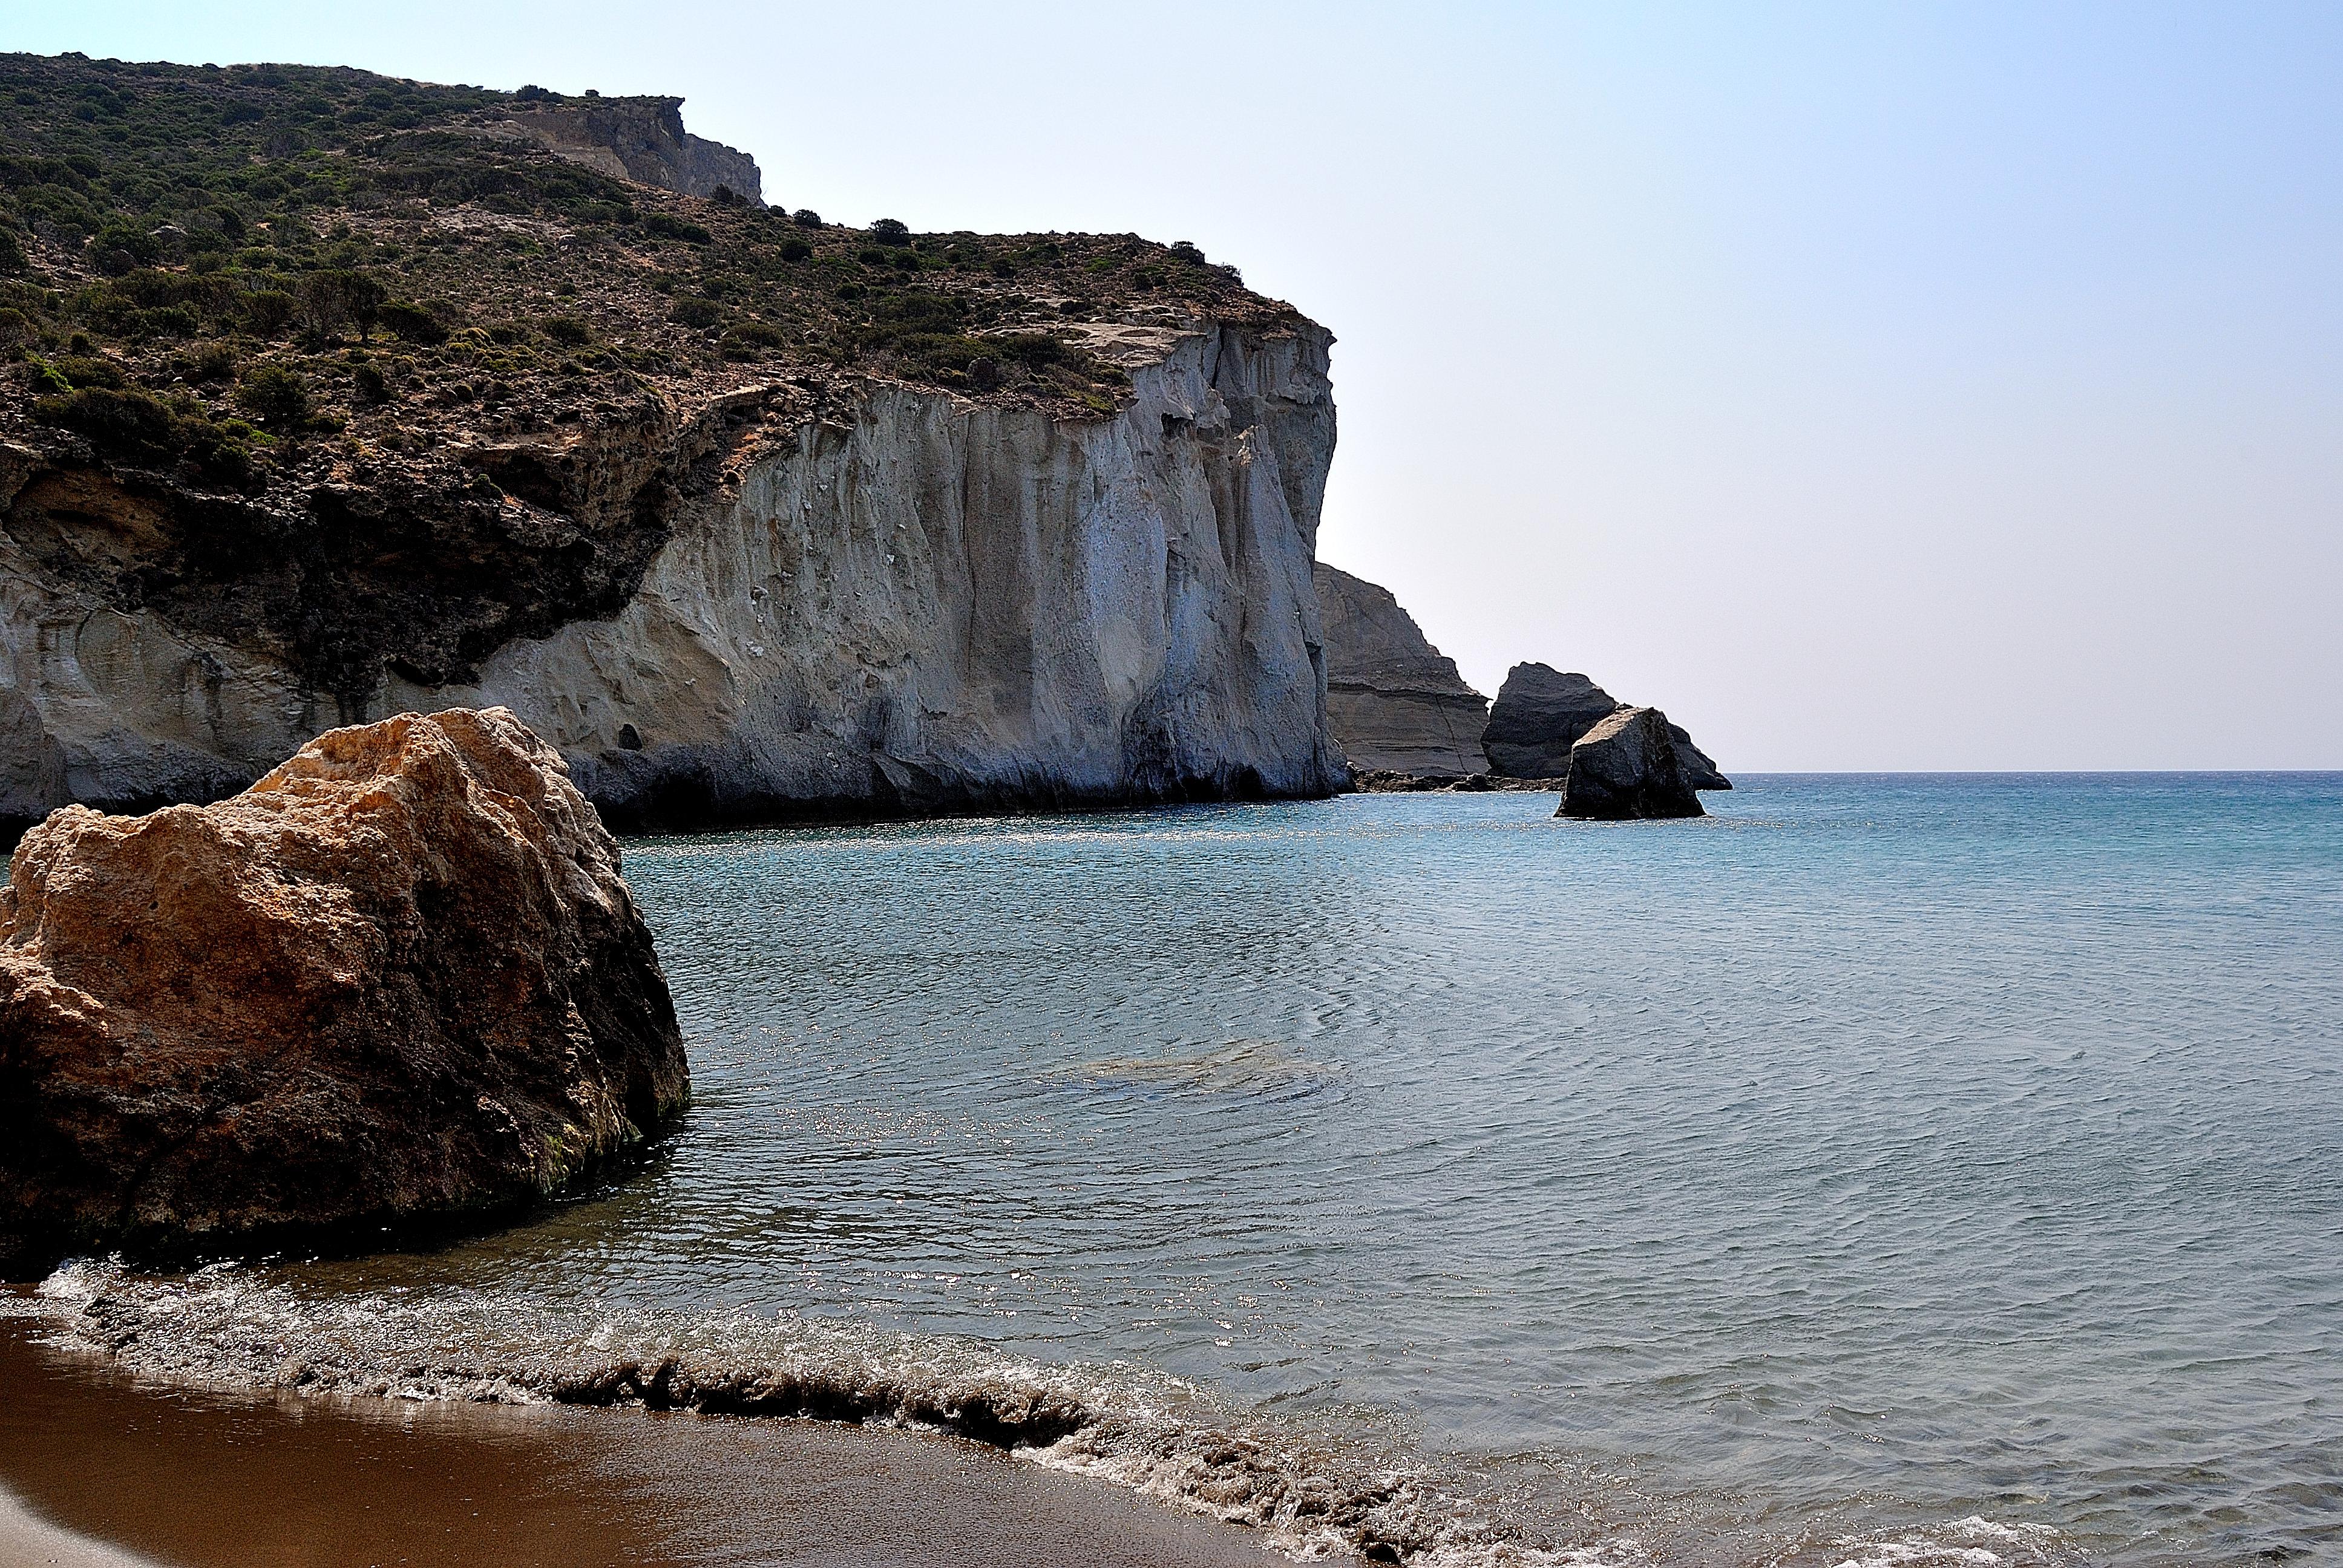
{"x":102,"y":1473}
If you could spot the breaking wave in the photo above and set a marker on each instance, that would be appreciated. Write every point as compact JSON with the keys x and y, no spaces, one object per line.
{"x":1314,"y":1492}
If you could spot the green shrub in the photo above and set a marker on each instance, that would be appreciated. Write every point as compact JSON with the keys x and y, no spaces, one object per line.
{"x":794,"y":249}
{"x":12,"y":254}
{"x":702,"y":313}
{"x":411,"y":323}
{"x":212,"y":362}
{"x":806,"y":217}
{"x":275,"y":395}
{"x":337,"y":298}
{"x":569,"y":331}
{"x":268,"y":312}
{"x":83,"y":370}
{"x":890,"y":231}
{"x":46,"y":379}
{"x":129,"y":424}
{"x":668,"y":227}
{"x":373,"y":386}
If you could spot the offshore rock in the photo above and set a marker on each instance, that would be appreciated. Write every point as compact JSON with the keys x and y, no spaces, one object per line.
{"x":1395,"y":703}
{"x":1540,"y":714}
{"x":1626,"y":767}
{"x":400,"y":975}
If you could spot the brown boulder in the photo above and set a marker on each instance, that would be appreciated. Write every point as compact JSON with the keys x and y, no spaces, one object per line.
{"x":400,"y":975}
{"x":1627,"y":766}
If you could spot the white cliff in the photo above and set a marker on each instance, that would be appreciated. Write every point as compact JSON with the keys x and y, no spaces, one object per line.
{"x":904,"y":600}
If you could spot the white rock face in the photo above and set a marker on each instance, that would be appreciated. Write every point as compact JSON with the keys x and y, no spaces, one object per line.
{"x":940,"y":605}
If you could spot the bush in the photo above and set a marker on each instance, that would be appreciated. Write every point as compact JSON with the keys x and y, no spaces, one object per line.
{"x":12,"y":254}
{"x":700,"y":313}
{"x":667,"y":226}
{"x":47,"y":378}
{"x":758,"y":334}
{"x":373,"y":386}
{"x":890,"y":231}
{"x":212,"y":362}
{"x":569,"y":331}
{"x":275,"y":395}
{"x":806,"y":217}
{"x":127,"y":423}
{"x":87,"y":371}
{"x":1187,"y":252}
{"x":794,"y":249}
{"x":411,"y":323}
{"x":268,"y":312}
{"x":337,"y":299}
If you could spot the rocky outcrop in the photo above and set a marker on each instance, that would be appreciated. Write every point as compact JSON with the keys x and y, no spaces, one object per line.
{"x":642,"y":140}
{"x":1626,"y":767}
{"x":797,"y":598}
{"x":1541,"y":713}
{"x":400,"y":975}
{"x":1394,"y":702}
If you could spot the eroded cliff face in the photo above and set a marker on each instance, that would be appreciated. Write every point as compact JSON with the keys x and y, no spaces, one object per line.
{"x":642,"y":140}
{"x":1395,"y":701}
{"x":797,"y":598}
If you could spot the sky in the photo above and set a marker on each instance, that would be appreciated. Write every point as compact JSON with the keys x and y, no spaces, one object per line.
{"x":1872,"y":387}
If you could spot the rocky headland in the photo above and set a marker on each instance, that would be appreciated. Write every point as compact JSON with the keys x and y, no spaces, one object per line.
{"x":1394,"y":702}
{"x":399,"y":977}
{"x":336,"y":396}
{"x":1409,"y":723}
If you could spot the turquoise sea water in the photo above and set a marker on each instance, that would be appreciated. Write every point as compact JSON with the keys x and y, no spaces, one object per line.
{"x":1884,"y":1170}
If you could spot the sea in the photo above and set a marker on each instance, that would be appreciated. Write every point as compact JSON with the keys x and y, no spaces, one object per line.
{"x":1896,"y":1170}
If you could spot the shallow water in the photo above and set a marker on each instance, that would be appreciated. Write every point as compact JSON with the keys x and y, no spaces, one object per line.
{"x":1884,"y":1170}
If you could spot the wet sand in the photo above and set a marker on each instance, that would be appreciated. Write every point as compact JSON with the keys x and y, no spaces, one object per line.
{"x":106,"y":1473}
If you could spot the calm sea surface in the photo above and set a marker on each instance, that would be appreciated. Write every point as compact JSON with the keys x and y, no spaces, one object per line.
{"x":1888,"y":1170}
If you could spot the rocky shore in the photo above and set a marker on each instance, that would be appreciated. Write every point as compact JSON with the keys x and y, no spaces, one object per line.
{"x":399,"y":977}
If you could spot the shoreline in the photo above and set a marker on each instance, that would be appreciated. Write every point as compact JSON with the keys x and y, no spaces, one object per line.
{"x":98,"y":1469}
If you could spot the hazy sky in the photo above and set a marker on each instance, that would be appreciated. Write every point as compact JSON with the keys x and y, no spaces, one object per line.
{"x":1871,"y":386}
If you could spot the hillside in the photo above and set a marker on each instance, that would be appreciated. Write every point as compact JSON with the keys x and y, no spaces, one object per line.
{"x":367,"y":378}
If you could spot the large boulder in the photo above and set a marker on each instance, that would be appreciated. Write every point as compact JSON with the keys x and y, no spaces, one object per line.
{"x":400,"y":975}
{"x":1540,"y":712}
{"x":1626,"y":767}
{"x":1395,"y":703}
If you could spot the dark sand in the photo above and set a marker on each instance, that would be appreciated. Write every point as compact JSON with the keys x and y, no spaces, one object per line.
{"x":199,"y":1478}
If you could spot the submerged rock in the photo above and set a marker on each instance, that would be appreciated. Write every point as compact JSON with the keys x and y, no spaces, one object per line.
{"x":1542,"y":712}
{"x":1627,"y":766}
{"x":1394,"y":702}
{"x":398,"y":975}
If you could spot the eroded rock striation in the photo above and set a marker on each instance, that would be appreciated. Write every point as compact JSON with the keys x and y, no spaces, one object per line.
{"x":748,"y":515}
{"x":400,"y":975}
{"x":1541,"y":713}
{"x":1626,"y":767}
{"x":1394,"y":702}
